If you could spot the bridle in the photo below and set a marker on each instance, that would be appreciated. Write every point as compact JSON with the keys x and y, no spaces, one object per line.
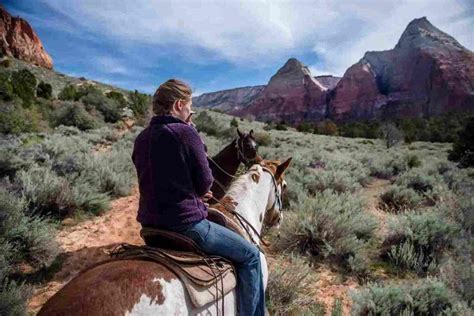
{"x":243,"y":220}
{"x":241,"y":151}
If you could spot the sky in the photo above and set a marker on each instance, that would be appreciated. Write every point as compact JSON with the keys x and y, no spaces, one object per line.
{"x":216,"y":45}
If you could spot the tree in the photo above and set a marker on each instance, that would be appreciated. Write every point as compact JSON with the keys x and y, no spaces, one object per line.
{"x":44,"y":90}
{"x":463,"y":148}
{"x":391,"y":134}
{"x":326,"y":127}
{"x":6,"y":88}
{"x":68,"y":93}
{"x":117,"y":96}
{"x":139,"y":103}
{"x":234,"y":123}
{"x":24,"y":86}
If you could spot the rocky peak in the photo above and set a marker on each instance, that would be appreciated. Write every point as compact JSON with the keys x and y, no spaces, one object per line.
{"x":19,"y":40}
{"x":293,"y":73}
{"x":421,"y":33}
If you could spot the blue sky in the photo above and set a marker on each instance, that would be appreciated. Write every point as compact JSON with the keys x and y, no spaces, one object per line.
{"x":217,"y":45}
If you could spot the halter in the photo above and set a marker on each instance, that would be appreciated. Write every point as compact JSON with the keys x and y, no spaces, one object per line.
{"x":240,"y":156}
{"x":240,"y":151}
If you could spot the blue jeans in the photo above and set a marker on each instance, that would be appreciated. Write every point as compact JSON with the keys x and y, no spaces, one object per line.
{"x":217,"y":240}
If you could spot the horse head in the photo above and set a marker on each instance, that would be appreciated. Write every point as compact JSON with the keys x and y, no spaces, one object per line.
{"x":247,"y":148}
{"x":273,"y":214}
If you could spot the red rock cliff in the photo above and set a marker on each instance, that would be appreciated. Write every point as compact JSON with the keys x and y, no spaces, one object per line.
{"x":19,"y":40}
{"x":292,"y":94}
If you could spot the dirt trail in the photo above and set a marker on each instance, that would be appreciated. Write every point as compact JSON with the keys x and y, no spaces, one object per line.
{"x":87,"y":243}
{"x":371,"y":194}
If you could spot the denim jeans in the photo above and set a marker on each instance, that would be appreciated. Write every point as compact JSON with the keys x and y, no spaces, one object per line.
{"x":217,"y":240}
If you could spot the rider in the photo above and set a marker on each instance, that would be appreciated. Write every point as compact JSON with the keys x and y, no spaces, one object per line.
{"x":174,"y":181}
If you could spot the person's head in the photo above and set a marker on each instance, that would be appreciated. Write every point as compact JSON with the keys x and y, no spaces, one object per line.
{"x":173,"y":97}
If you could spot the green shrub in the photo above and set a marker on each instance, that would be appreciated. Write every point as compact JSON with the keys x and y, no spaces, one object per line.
{"x":281,"y":126}
{"x":139,"y":103}
{"x":68,"y":93}
{"x":205,"y":123}
{"x":14,"y":119}
{"x":398,"y":199}
{"x":424,"y":297}
{"x":326,"y":127}
{"x":263,"y":139}
{"x":305,"y":127}
{"x":418,"y":241}
{"x":6,"y":63}
{"x":6,"y":87}
{"x":330,"y":226}
{"x":287,"y":289}
{"x":44,"y":90}
{"x":413,"y":161}
{"x":117,"y":97}
{"x":234,"y":123}
{"x":340,"y":181}
{"x":25,"y":238}
{"x":463,"y":148}
{"x":109,"y":108}
{"x":46,"y":192}
{"x":13,"y":298}
{"x":24,"y":86}
{"x":74,"y":114}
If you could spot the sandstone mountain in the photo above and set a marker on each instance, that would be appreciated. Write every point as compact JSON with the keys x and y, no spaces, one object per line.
{"x":227,"y":100}
{"x":292,"y":94}
{"x":19,"y":40}
{"x":427,"y":73}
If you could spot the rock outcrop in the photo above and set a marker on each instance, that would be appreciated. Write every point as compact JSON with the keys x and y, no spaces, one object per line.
{"x":292,"y":95}
{"x":228,"y":100}
{"x":427,"y":73}
{"x":19,"y":40}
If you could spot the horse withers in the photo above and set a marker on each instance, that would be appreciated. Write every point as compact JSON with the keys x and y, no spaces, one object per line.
{"x":138,"y":287}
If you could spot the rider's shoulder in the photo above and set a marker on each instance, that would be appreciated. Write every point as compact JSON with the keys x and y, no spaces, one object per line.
{"x":183,"y":130}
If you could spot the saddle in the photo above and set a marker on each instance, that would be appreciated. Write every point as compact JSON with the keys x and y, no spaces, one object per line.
{"x":206,"y":278}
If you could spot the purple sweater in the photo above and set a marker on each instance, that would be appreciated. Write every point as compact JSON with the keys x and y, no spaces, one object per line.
{"x":173,"y":173}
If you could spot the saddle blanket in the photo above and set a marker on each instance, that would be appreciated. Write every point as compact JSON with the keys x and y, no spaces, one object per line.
{"x":206,"y":278}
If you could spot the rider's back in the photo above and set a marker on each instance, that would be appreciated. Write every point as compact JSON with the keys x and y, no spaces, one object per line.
{"x":173,"y":173}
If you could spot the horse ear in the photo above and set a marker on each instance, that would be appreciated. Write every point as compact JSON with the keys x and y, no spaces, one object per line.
{"x":240,"y":133}
{"x":282,"y":167}
{"x":251,"y":132}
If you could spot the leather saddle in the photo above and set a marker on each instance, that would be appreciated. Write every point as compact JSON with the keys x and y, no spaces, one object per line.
{"x":206,"y":278}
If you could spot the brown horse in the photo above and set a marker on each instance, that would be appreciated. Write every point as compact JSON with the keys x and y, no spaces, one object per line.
{"x":224,"y":165}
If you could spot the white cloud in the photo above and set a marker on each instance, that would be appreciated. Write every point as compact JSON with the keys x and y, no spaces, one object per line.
{"x":111,"y":65}
{"x":259,"y":32}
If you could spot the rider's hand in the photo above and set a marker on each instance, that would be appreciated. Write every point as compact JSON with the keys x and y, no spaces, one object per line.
{"x":206,"y":196}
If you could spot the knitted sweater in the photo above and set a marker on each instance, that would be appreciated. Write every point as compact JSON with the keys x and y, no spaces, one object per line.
{"x":173,"y":173}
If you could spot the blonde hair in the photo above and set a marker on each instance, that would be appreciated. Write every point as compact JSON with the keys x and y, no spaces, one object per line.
{"x":168,"y":93}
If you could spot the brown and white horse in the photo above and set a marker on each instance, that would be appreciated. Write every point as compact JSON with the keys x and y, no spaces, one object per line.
{"x":135,"y":287}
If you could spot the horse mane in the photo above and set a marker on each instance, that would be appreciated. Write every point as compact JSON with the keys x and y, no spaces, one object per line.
{"x":226,"y":149}
{"x":240,"y":185}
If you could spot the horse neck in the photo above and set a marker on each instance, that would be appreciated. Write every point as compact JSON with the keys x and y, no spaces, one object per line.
{"x":227,"y":158}
{"x":252,"y":198}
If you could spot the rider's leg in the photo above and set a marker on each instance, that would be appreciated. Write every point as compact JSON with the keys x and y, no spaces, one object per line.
{"x":217,"y":240}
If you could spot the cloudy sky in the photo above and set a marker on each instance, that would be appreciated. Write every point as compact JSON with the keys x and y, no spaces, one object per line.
{"x":220,"y":44}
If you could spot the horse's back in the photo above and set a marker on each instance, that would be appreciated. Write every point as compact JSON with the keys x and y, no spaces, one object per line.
{"x":130,"y":287}
{"x":117,"y":288}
